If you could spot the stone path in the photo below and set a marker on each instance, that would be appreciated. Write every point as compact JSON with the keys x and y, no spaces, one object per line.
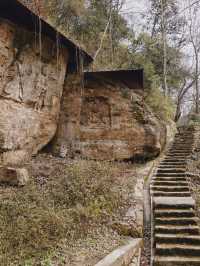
{"x":176,"y":233}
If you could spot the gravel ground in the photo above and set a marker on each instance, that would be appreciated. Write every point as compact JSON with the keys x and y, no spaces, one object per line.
{"x":146,"y":252}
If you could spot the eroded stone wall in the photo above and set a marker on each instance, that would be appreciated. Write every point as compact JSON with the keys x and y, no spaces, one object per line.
{"x":32,"y":74}
{"x":68,"y":132}
{"x":106,"y":121}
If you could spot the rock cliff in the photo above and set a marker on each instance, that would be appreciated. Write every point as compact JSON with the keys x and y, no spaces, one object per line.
{"x":103,"y":120}
{"x":32,"y":74}
{"x":99,"y":119}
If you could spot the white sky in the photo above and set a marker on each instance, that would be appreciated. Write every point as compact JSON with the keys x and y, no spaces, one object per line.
{"x":132,"y":11}
{"x":135,"y":4}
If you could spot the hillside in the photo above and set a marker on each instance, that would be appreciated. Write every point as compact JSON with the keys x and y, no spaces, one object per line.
{"x":99,"y":133}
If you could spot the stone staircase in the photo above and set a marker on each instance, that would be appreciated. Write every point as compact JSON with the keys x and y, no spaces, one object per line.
{"x":176,"y":234}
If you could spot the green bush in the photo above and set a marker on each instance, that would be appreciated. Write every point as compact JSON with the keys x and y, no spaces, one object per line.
{"x":163,"y":106}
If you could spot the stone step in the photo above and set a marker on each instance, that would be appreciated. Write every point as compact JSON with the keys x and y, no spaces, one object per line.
{"x":176,"y":153}
{"x":188,"y":137}
{"x":184,"y":136}
{"x":176,"y":261}
{"x":171,"y":174}
{"x":172,"y":170}
{"x":180,"y":143}
{"x":176,"y":203}
{"x":169,"y":183}
{"x":174,"y":213}
{"x":176,"y":229}
{"x":176,"y":139}
{"x":175,"y":161}
{"x":169,"y":179}
{"x":178,"y":150}
{"x":183,"y":141}
{"x":186,"y":142}
{"x":176,"y":158}
{"x":176,"y":221}
{"x":177,"y":250}
{"x":170,"y":189}
{"x":183,"y":145}
{"x":186,"y":132}
{"x":177,"y":239}
{"x":171,"y":166}
{"x":170,"y":194}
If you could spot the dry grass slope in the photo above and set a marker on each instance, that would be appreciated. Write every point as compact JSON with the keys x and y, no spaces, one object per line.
{"x":38,"y":220}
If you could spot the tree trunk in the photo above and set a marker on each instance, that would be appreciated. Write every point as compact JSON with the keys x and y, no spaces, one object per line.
{"x":195,"y":46}
{"x":178,"y":111}
{"x":164,"y":45}
{"x":197,"y":82}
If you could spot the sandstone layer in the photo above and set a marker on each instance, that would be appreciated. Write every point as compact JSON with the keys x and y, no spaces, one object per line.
{"x":32,"y":74}
{"x":107,"y":121}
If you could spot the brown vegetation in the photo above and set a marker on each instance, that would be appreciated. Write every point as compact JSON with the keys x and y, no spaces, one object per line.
{"x":63,"y":205}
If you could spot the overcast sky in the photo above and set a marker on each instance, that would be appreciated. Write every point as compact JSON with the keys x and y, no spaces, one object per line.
{"x":135,"y":3}
{"x":132,"y":11}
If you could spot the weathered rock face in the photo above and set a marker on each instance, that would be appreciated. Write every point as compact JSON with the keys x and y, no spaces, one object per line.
{"x":31,"y":84}
{"x":107,"y":121}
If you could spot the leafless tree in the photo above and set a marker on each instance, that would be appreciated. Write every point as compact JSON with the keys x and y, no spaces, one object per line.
{"x":164,"y":45}
{"x":184,"y":89}
{"x":194,"y":39}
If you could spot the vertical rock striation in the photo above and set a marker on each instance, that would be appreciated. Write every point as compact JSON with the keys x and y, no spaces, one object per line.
{"x":31,"y":84}
{"x":107,"y":121}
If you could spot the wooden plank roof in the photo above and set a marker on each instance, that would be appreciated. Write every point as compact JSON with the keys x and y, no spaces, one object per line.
{"x":131,"y":78}
{"x":16,"y":12}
